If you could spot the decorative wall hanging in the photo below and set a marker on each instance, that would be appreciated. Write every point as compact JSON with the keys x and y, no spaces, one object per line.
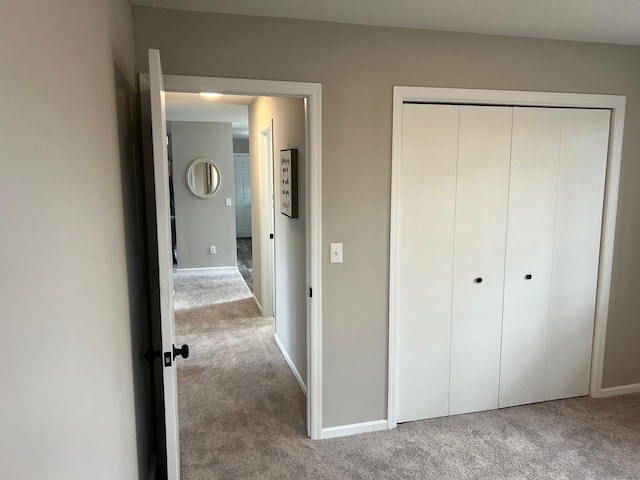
{"x":289,"y":182}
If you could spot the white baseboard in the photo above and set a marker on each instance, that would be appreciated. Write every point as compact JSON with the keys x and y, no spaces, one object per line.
{"x":258,"y":305}
{"x":353,"y":429}
{"x":621,"y":390}
{"x":207,"y":269}
{"x":291,"y":365}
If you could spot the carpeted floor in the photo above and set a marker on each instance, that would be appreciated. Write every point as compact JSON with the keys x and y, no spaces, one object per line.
{"x":242,"y":416}
{"x":203,"y":289}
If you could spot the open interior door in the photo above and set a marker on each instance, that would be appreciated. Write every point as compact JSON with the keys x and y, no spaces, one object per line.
{"x":165,"y":264}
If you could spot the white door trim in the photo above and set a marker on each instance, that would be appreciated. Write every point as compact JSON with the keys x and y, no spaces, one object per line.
{"x":616,"y":103}
{"x":267,"y":213}
{"x":312,"y":94}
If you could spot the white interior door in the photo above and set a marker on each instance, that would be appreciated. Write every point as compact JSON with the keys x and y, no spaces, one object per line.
{"x":581,"y":180}
{"x":530,"y":233}
{"x":426,"y":210}
{"x":242,"y":172}
{"x":165,"y":262}
{"x":478,"y":260}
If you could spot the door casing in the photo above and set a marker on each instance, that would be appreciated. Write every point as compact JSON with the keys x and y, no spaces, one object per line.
{"x":311,"y":93}
{"x":267,"y":212}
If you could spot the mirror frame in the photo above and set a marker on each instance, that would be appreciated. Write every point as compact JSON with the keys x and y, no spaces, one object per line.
{"x":190,"y":168}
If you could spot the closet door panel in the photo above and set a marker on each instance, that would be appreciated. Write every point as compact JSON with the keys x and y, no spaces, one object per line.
{"x":426,"y":207}
{"x":530,"y":234}
{"x":581,"y":180}
{"x":478,"y":273}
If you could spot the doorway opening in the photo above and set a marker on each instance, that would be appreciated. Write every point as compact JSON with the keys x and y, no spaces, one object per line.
{"x":244,"y":232}
{"x":157,"y":84}
{"x":306,"y":372}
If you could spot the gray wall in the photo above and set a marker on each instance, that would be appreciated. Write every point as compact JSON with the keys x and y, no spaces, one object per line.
{"x":201,"y":223}
{"x":240,"y":145}
{"x":358,"y":66}
{"x":290,"y":234}
{"x":72,"y":283}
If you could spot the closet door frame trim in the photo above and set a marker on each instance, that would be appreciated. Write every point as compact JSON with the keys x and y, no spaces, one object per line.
{"x":458,"y":96}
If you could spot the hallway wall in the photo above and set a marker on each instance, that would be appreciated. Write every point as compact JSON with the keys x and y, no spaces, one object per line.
{"x":290,"y":233}
{"x":204,"y":222}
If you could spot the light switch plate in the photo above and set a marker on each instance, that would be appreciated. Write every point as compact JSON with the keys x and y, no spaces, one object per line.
{"x":335,"y":253}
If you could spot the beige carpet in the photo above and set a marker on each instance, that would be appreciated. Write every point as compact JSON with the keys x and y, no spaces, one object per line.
{"x":203,"y":288}
{"x":242,"y":417}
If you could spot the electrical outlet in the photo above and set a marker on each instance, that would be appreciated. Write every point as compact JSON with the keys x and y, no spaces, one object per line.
{"x":212,"y":250}
{"x":227,"y":202}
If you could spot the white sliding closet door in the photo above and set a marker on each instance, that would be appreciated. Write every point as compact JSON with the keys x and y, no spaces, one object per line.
{"x":581,"y":180}
{"x":426,"y":208}
{"x":478,"y":263}
{"x":530,"y":234}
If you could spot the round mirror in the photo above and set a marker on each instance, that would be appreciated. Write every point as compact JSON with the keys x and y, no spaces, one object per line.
{"x":203,"y":177}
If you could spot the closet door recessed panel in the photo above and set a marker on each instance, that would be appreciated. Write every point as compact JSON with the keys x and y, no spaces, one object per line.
{"x":425,"y":234}
{"x":581,"y":180}
{"x":478,"y":273}
{"x":530,"y":234}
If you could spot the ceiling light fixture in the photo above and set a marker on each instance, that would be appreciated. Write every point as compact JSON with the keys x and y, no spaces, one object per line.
{"x":210,"y":94}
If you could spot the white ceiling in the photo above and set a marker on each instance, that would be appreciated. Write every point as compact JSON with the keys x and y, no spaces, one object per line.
{"x":608,"y":21}
{"x":194,"y":107}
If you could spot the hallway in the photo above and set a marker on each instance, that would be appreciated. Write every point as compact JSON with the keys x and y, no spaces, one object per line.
{"x":239,"y":404}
